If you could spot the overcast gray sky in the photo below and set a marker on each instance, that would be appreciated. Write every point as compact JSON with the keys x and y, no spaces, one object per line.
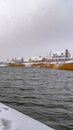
{"x":34,"y":27}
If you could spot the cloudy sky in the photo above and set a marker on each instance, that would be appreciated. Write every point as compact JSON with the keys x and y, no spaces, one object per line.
{"x":35,"y":27}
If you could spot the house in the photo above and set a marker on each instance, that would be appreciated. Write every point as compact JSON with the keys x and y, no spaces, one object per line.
{"x":37,"y":59}
{"x":61,"y":56}
{"x":17,"y":60}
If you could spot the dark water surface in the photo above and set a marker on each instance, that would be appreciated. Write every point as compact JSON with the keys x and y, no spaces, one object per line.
{"x":44,"y":94}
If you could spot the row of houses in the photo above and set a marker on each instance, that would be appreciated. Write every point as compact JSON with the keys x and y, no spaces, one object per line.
{"x":55,"y":57}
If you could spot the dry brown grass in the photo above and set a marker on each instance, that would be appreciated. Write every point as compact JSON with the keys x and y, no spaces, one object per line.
{"x":16,"y":64}
{"x":44,"y":65}
{"x":66,"y":66}
{"x":52,"y":65}
{"x":39,"y":65}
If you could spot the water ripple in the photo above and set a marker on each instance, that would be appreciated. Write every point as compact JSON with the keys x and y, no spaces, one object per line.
{"x":44,"y":94}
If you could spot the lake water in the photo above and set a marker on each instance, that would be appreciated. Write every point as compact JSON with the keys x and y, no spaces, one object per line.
{"x":44,"y":94}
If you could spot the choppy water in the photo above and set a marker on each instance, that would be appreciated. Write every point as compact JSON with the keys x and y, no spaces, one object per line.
{"x":44,"y":94}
